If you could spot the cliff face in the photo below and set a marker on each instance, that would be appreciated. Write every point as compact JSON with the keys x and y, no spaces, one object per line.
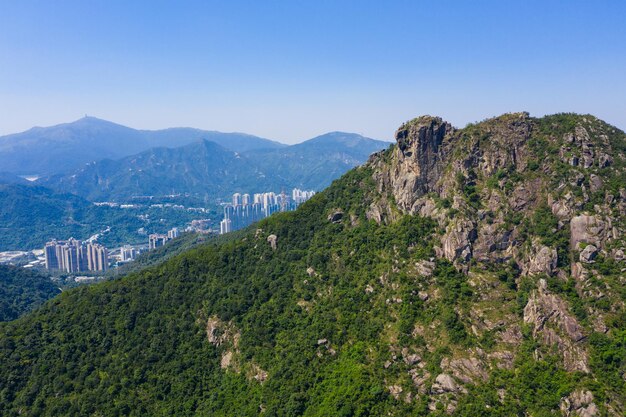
{"x":480,"y":183}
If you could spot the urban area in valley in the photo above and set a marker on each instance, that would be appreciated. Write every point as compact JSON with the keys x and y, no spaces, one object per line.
{"x":84,"y":260}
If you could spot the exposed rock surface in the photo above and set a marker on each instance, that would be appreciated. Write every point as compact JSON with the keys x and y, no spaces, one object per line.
{"x":444,"y":383}
{"x":543,"y":260}
{"x":470,"y":370}
{"x":417,"y":162}
{"x":587,"y":229}
{"x":336,"y":216}
{"x":579,"y":404}
{"x":225,"y":336}
{"x":272,"y":239}
{"x":555,"y":325}
{"x":588,"y":254}
{"x":500,"y":203}
{"x":457,"y":241}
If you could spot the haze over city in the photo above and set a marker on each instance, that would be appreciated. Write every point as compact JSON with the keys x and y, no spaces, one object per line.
{"x":292,"y":70}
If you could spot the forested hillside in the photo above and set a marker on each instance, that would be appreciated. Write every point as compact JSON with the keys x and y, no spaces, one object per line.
{"x":475,"y":271}
{"x":22,"y":290}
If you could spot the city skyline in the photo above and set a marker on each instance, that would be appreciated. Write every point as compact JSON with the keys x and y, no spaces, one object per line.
{"x":244,"y":211}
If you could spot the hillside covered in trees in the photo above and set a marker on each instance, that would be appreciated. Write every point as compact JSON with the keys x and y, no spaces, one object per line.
{"x":22,"y":290}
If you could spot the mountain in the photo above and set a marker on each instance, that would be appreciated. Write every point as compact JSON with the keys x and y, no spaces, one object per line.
{"x":237,"y":142}
{"x":55,"y":149}
{"x":8,"y":178}
{"x":202,"y":168}
{"x":22,"y":290}
{"x":207,"y":170}
{"x":31,"y":215}
{"x":314,"y":163}
{"x":474,"y":271}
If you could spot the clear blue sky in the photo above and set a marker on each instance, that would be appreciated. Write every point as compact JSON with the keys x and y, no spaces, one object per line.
{"x":290,"y":70}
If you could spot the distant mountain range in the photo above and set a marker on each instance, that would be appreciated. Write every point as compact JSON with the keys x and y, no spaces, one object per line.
{"x":30,"y":215}
{"x":95,"y":160}
{"x":207,"y":170}
{"x":199,"y":168}
{"x":314,"y":163}
{"x":55,"y":149}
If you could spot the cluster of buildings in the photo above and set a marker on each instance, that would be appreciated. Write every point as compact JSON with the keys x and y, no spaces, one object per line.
{"x":129,"y":253}
{"x":75,"y":256}
{"x":299,"y":196}
{"x":200,"y":226}
{"x":245,"y":210}
{"x":155,"y":240}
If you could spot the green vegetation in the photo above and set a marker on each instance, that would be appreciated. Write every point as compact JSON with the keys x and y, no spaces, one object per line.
{"x":22,"y":290}
{"x":32,"y":215}
{"x":545,"y":226}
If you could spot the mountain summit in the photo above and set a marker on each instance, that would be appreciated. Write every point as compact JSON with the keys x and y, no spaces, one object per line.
{"x":55,"y":149}
{"x":474,"y":271}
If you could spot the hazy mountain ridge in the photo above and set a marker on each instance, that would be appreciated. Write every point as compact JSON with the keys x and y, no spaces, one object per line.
{"x":202,"y":168}
{"x":475,"y":271}
{"x":31,"y":215}
{"x":314,"y":163}
{"x":56,"y":149}
{"x":208,"y":171}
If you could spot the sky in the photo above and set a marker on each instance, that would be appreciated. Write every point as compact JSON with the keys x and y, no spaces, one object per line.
{"x":291,"y":70}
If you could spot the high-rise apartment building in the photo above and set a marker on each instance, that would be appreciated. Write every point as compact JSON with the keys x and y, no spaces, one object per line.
{"x":75,"y":256}
{"x":173,"y":233}
{"x":244,"y":212}
{"x":225,"y":226}
{"x":236,"y":199}
{"x":128,"y":253}
{"x":156,"y":240}
{"x":50,"y":252}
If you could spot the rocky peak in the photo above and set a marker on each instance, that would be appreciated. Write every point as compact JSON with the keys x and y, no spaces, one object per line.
{"x":481,"y":181}
{"x":416,"y":161}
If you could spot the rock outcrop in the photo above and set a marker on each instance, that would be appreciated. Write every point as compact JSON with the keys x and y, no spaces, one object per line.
{"x":272,"y":239}
{"x":519,"y":192}
{"x":417,"y":162}
{"x":579,"y":404}
{"x":554,"y":325}
{"x":587,"y":229}
{"x":542,"y":260}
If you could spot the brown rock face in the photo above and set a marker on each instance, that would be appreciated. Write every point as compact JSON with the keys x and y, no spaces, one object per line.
{"x":457,"y":242}
{"x":579,"y":403}
{"x":587,"y":229}
{"x":554,"y":325}
{"x":417,"y":160}
{"x":515,"y":199}
{"x":543,"y":260}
